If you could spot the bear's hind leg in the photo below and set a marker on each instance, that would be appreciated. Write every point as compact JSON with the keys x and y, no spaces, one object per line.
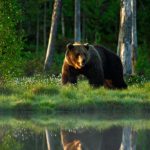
{"x":119,"y":84}
{"x":108,"y":84}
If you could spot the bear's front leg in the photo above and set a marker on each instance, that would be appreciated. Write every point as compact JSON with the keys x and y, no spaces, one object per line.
{"x":68,"y":76}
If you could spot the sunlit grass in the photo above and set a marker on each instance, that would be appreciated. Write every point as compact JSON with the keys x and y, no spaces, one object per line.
{"x":41,"y":93}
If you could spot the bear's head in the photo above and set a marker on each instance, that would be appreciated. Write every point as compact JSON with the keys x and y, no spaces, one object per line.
{"x":77,"y":55}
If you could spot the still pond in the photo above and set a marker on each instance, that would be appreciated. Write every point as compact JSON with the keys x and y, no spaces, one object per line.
{"x":111,"y":131}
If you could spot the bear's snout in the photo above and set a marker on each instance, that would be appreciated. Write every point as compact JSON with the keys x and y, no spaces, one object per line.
{"x":81,"y":61}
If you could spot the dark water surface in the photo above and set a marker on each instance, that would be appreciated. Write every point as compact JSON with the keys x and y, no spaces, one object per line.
{"x":74,"y":132}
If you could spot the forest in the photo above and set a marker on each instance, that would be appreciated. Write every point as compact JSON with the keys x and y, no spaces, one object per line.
{"x":25,"y":34}
{"x":37,"y":111}
{"x":25,"y":28}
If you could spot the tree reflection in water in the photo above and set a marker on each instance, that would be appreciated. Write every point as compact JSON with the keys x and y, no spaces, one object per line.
{"x":31,"y":137}
{"x":75,"y":139}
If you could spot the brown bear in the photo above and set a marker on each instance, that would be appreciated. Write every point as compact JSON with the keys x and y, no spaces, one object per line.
{"x":100,"y":65}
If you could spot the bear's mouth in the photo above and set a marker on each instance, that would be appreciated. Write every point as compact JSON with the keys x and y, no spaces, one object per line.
{"x":80,"y":66}
{"x":81,"y":63}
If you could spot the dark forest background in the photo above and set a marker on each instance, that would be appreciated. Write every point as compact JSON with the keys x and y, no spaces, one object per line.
{"x":25,"y":27}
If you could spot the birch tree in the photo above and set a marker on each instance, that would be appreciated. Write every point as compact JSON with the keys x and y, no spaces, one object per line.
{"x":77,"y":24}
{"x":127,"y":42}
{"x":134,"y":36}
{"x":53,"y":33}
{"x":128,"y":139}
{"x":124,"y":42}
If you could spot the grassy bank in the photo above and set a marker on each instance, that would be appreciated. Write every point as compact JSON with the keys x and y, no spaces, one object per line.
{"x":42,"y":94}
{"x":100,"y":121}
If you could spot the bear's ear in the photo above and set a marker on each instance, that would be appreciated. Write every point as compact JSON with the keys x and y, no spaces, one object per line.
{"x":86,"y":45}
{"x":70,"y":46}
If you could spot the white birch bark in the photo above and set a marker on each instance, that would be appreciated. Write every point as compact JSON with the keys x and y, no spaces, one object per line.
{"x":124,"y":42}
{"x":134,"y":36}
{"x":128,"y":139}
{"x":47,"y":139}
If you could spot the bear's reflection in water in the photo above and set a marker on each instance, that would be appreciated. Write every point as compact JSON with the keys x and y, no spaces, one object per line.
{"x":84,"y":139}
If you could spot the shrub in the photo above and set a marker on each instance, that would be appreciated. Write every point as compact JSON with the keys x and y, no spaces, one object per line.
{"x":143,"y":61}
{"x":11,"y":38}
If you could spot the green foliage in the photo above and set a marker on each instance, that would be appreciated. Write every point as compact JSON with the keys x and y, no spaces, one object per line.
{"x":99,"y":24}
{"x":136,"y":80}
{"x":143,"y":62}
{"x":143,"y":23}
{"x":9,"y":142}
{"x":11,"y":43}
{"x":57,"y":64}
{"x":101,"y":21}
{"x":33,"y":64}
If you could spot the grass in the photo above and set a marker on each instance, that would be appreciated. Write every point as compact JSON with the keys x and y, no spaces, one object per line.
{"x":46,"y":94}
{"x":100,"y":121}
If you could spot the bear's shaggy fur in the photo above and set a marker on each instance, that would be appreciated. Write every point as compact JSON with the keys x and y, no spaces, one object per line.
{"x":98,"y":64}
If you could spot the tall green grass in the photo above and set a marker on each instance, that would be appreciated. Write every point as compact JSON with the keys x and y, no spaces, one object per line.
{"x":41,"y":93}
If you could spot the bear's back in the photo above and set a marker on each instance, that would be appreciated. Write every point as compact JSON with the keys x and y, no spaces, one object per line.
{"x":110,"y":60}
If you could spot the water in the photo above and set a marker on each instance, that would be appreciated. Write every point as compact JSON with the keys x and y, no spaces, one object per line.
{"x":74,"y":132}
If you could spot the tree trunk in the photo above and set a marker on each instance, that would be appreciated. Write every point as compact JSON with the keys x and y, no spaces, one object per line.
{"x":83,"y":27}
{"x":134,"y":36}
{"x":48,"y":140}
{"x":77,"y":27}
{"x":37,"y":33}
{"x":44,"y":28}
{"x":43,"y":141}
{"x":124,"y":42}
{"x":52,"y":36}
{"x":62,"y":24}
{"x":128,"y":139}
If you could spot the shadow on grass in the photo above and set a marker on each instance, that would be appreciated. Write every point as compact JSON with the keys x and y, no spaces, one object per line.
{"x":6,"y":91}
{"x":127,"y":107}
{"x":45,"y":91}
{"x":23,"y":107}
